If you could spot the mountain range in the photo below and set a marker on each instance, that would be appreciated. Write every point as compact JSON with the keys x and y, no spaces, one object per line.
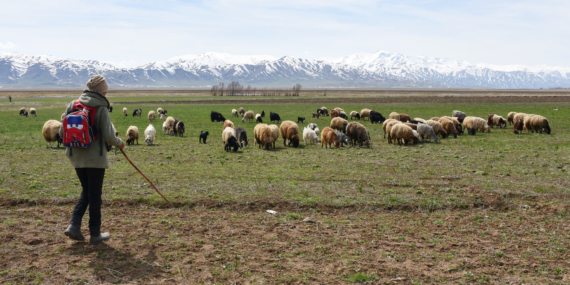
{"x":380,"y":69}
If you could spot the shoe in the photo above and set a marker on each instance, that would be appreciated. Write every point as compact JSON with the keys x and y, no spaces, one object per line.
{"x":74,"y":232}
{"x":102,"y":237}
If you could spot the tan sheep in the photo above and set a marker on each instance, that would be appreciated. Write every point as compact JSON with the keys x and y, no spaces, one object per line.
{"x":241,"y":111}
{"x":354,"y":114}
{"x":159,"y":110}
{"x":338,"y":123}
{"x":33,"y":112}
{"x":526,"y":122}
{"x":403,"y":134}
{"x":473,"y":124}
{"x":394,"y":116}
{"x":229,"y":138}
{"x":386,"y":123}
{"x":51,"y":132}
{"x":290,"y":131}
{"x":235,"y":113}
{"x":511,"y":117}
{"x":169,"y":124}
{"x":539,"y":124}
{"x":365,"y":113}
{"x":249,"y":115}
{"x":499,"y":121}
{"x":125,"y":111}
{"x":456,"y":123}
{"x":389,"y":127}
{"x":257,"y":134}
{"x":519,"y":116}
{"x":132,"y":135}
{"x":228,"y":123}
{"x":448,"y":126}
{"x":437,"y":128}
{"x":274,"y":134}
{"x":151,"y":116}
{"x":328,"y":137}
{"x":358,"y":134}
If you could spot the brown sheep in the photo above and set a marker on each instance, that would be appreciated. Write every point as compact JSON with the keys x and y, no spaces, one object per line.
{"x":448,"y":126}
{"x":328,"y":137}
{"x":365,"y":113}
{"x":334,"y":113}
{"x":257,"y":134}
{"x":413,"y":126}
{"x":132,"y":135}
{"x":404,"y":118}
{"x":267,"y":137}
{"x":490,"y":122}
{"x":389,"y":127}
{"x":241,"y":111}
{"x":499,"y":121}
{"x":518,"y":125}
{"x":339,"y":124}
{"x":435,"y":119}
{"x":228,"y":123}
{"x":290,"y":131}
{"x":456,"y":123}
{"x":384,"y":125}
{"x":357,"y":133}
{"x":339,"y":109}
{"x":401,"y":132}
{"x":394,"y":116}
{"x":437,"y":128}
{"x":539,"y":124}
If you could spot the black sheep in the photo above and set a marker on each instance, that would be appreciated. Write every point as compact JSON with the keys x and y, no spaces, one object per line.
{"x":22,"y":112}
{"x":111,"y":109}
{"x":320,"y":112}
{"x":178,"y":128}
{"x":274,"y":117}
{"x":215,"y":116}
{"x":26,"y":113}
{"x":416,"y":122}
{"x":137,"y":112}
{"x":344,"y":116}
{"x":263,"y":114}
{"x":376,"y":117}
{"x":259,"y":120}
{"x":241,"y":136}
{"x":300,"y":119}
{"x":203,"y":137}
{"x":232,"y":143}
{"x":164,"y":111}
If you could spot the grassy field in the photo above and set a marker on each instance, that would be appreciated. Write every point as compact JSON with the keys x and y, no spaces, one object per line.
{"x":456,"y":195}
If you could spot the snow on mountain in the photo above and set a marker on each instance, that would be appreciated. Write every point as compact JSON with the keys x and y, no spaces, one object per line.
{"x":378,"y":69}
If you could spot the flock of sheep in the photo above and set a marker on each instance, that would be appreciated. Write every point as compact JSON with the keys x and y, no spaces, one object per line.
{"x":398,"y":127}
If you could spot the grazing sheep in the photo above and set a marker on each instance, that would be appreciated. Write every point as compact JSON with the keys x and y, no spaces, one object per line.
{"x":328,"y":137}
{"x":235,"y":113}
{"x":258,"y":118}
{"x":413,"y":126}
{"x":419,"y":120}
{"x":179,"y":128}
{"x":518,"y":125}
{"x":338,"y":123}
{"x":310,"y":135}
{"x":334,"y":113}
{"x":339,"y":109}
{"x":376,"y":117}
{"x":456,"y":123}
{"x":499,"y":121}
{"x":249,"y":115}
{"x":539,"y":124}
{"x":257,"y":139}
{"x":511,"y":117}
{"x":274,"y":134}
{"x":164,"y":128}
{"x":426,"y":132}
{"x":263,"y":113}
{"x":137,"y":112}
{"x":132,"y":135}
{"x":230,"y":140}
{"x":26,"y":114}
{"x":228,"y":123}
{"x":169,"y":123}
{"x":490,"y":120}
{"x":324,"y":111}
{"x":520,"y":116}
{"x":162,"y":116}
{"x":264,"y":136}
{"x":151,"y":116}
{"x":343,"y":115}
{"x":241,"y":136}
{"x":459,"y":115}
{"x":354,"y":114}
{"x":274,"y":117}
{"x":159,"y":111}
{"x":22,"y":111}
{"x":448,"y":126}
{"x":290,"y":131}
{"x":165,"y":112}
{"x":358,"y":134}
{"x":203,"y":137}
{"x":125,"y":111}
{"x":389,"y":127}
{"x":386,"y":123}
{"x":316,"y":116}
{"x":394,"y":116}
{"x":342,"y":138}
{"x":149,"y":134}
{"x":241,"y":111}
{"x":526,"y":122}
{"x":403,"y":134}
{"x":404,"y":118}
{"x":435,"y":119}
{"x":473,"y":124}
{"x":51,"y":132}
{"x":33,"y":112}
{"x":365,"y":113}
{"x":437,"y":128}
{"x":215,"y":116}
{"x":313,"y":127}
{"x":300,"y":119}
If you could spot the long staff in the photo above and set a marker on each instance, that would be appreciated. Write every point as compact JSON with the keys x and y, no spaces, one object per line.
{"x":146,"y":178}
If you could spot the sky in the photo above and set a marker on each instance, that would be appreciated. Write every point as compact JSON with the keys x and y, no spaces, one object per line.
{"x":131,"y":33}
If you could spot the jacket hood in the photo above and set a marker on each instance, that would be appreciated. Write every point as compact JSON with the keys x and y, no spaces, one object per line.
{"x":93,"y":99}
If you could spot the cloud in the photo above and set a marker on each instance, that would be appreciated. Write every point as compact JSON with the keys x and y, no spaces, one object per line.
{"x":7,"y":46}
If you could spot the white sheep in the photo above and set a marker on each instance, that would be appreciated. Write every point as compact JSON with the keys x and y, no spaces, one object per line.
{"x":314,"y":127}
{"x":149,"y":134}
{"x":162,"y":116}
{"x":125,"y":111}
{"x":164,"y":128}
{"x":33,"y":112}
{"x":235,"y":113}
{"x":310,"y":136}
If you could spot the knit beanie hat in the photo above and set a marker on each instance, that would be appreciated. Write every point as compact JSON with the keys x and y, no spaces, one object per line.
{"x":98,"y":83}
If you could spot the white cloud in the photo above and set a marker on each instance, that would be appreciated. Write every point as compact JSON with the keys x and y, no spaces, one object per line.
{"x":7,"y":46}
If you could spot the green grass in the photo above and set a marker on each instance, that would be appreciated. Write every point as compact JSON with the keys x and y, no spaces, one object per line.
{"x":456,"y":173}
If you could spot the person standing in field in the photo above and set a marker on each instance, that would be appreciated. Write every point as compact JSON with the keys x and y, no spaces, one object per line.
{"x":90,"y":162}
{"x":10,"y":97}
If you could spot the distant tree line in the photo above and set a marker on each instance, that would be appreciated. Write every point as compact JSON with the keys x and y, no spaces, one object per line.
{"x":236,"y":89}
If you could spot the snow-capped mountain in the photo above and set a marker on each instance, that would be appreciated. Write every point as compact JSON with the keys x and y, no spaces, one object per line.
{"x":379,"y":69}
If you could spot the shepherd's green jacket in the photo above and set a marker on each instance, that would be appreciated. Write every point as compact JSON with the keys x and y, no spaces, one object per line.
{"x":91,"y":157}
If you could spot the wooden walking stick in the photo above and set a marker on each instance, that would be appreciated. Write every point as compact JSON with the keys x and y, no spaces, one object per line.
{"x":146,"y":178}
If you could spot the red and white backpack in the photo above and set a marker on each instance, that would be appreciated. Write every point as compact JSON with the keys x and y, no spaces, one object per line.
{"x":79,"y":130}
